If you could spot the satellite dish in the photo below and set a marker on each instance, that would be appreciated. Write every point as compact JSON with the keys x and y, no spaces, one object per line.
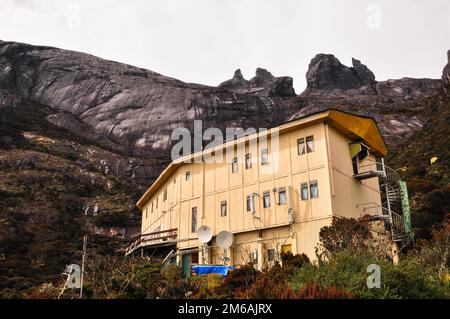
{"x":204,"y":234}
{"x":224,"y":239}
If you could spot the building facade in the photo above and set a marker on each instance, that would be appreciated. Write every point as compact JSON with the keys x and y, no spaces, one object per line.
{"x":273,"y":196}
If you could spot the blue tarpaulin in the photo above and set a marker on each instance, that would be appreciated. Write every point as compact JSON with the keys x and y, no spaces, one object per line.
{"x":212,"y":269}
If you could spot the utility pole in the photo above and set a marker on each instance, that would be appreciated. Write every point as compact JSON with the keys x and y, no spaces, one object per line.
{"x":82,"y":264}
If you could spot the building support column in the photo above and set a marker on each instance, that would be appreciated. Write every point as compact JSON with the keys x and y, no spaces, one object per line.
{"x":260,"y":250}
{"x":294,"y":241}
{"x":203,"y":255}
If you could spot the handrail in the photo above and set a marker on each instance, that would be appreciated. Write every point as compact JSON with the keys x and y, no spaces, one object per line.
{"x":171,"y":233}
{"x":389,"y":171}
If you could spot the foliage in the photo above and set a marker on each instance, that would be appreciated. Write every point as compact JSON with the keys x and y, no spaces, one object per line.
{"x":428,"y":183}
{"x":291,"y":262}
{"x":173,"y":285}
{"x":344,"y":234}
{"x":315,"y":291}
{"x":239,"y":279}
{"x":111,"y":277}
{"x":348,"y":269}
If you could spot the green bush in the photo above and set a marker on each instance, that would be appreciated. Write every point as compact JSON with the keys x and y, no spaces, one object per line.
{"x":348,"y":269}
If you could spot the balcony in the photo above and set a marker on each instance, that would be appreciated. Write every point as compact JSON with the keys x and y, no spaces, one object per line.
{"x":368,"y":169}
{"x":153,"y":239}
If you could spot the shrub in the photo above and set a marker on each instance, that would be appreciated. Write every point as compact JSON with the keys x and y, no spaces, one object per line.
{"x":173,"y":285}
{"x":291,"y":262}
{"x":344,"y":234}
{"x":239,"y":280}
{"x":348,"y":269}
{"x":315,"y":291}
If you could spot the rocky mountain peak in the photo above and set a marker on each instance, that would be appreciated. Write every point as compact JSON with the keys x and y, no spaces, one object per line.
{"x":367,"y":77}
{"x":261,"y":78}
{"x":327,"y":72}
{"x":236,"y":82}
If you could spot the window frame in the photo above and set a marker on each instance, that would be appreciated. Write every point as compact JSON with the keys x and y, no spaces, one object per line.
{"x":302,"y":187}
{"x":316,"y":183}
{"x":194,"y":219}
{"x":266,"y":194}
{"x":310,"y":149}
{"x":265,"y":159}
{"x":301,"y":141}
{"x":248,"y":161}
{"x":249,"y":207}
{"x":280,"y":191}
{"x":270,"y":253}
{"x":222,"y":205}
{"x":234,"y":165}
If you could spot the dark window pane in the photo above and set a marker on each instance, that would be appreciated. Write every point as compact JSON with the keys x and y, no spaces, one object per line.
{"x":194,"y":220}
{"x":310,"y":144}
{"x":282,"y":197}
{"x":264,"y":156}
{"x":314,"y":189}
{"x":234,"y":165}
{"x":301,"y":146}
{"x":304,"y":191}
{"x":271,"y":254}
{"x":266,"y":199}
{"x":248,"y":161}
{"x":249,"y":203}
{"x":223,"y":208}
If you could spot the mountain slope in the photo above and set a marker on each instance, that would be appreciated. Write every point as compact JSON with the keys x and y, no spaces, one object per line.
{"x":133,"y":110}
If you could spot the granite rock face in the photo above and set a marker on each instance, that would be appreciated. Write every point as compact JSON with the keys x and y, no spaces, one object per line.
{"x":133,"y":111}
{"x":327,"y":72}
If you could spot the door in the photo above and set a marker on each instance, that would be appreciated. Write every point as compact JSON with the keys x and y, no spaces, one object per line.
{"x":186,"y":265}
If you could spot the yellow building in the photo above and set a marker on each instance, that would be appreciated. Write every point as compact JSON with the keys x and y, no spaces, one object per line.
{"x":326,"y":164}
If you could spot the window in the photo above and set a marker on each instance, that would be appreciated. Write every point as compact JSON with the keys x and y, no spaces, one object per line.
{"x":146,"y":212}
{"x":310,"y":144}
{"x":248,"y":161}
{"x":152,"y":209}
{"x":223,"y":208}
{"x":156,"y":202}
{"x":249,"y":203}
{"x":314,"y":190}
{"x":234,"y":165}
{"x":194,"y":258}
{"x":282,"y":196}
{"x":304,"y":191}
{"x":301,"y":146}
{"x":270,"y":255}
{"x":264,"y":156}
{"x":188,"y":176}
{"x":194,"y":220}
{"x":266,"y":199}
{"x":165,"y":195}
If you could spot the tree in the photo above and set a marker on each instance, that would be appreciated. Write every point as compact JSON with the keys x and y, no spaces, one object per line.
{"x":344,"y":234}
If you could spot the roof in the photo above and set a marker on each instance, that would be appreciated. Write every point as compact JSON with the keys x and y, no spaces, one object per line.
{"x":353,"y":126}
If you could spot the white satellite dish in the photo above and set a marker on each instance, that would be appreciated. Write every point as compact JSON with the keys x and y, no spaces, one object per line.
{"x":224,"y":239}
{"x":204,"y":234}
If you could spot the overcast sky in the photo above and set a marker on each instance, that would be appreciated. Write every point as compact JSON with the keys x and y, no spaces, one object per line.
{"x":204,"y":41}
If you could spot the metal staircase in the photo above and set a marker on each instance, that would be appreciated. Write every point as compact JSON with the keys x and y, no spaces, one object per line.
{"x":392,"y":201}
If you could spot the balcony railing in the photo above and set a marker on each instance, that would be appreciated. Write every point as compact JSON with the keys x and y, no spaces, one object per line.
{"x":152,"y":239}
